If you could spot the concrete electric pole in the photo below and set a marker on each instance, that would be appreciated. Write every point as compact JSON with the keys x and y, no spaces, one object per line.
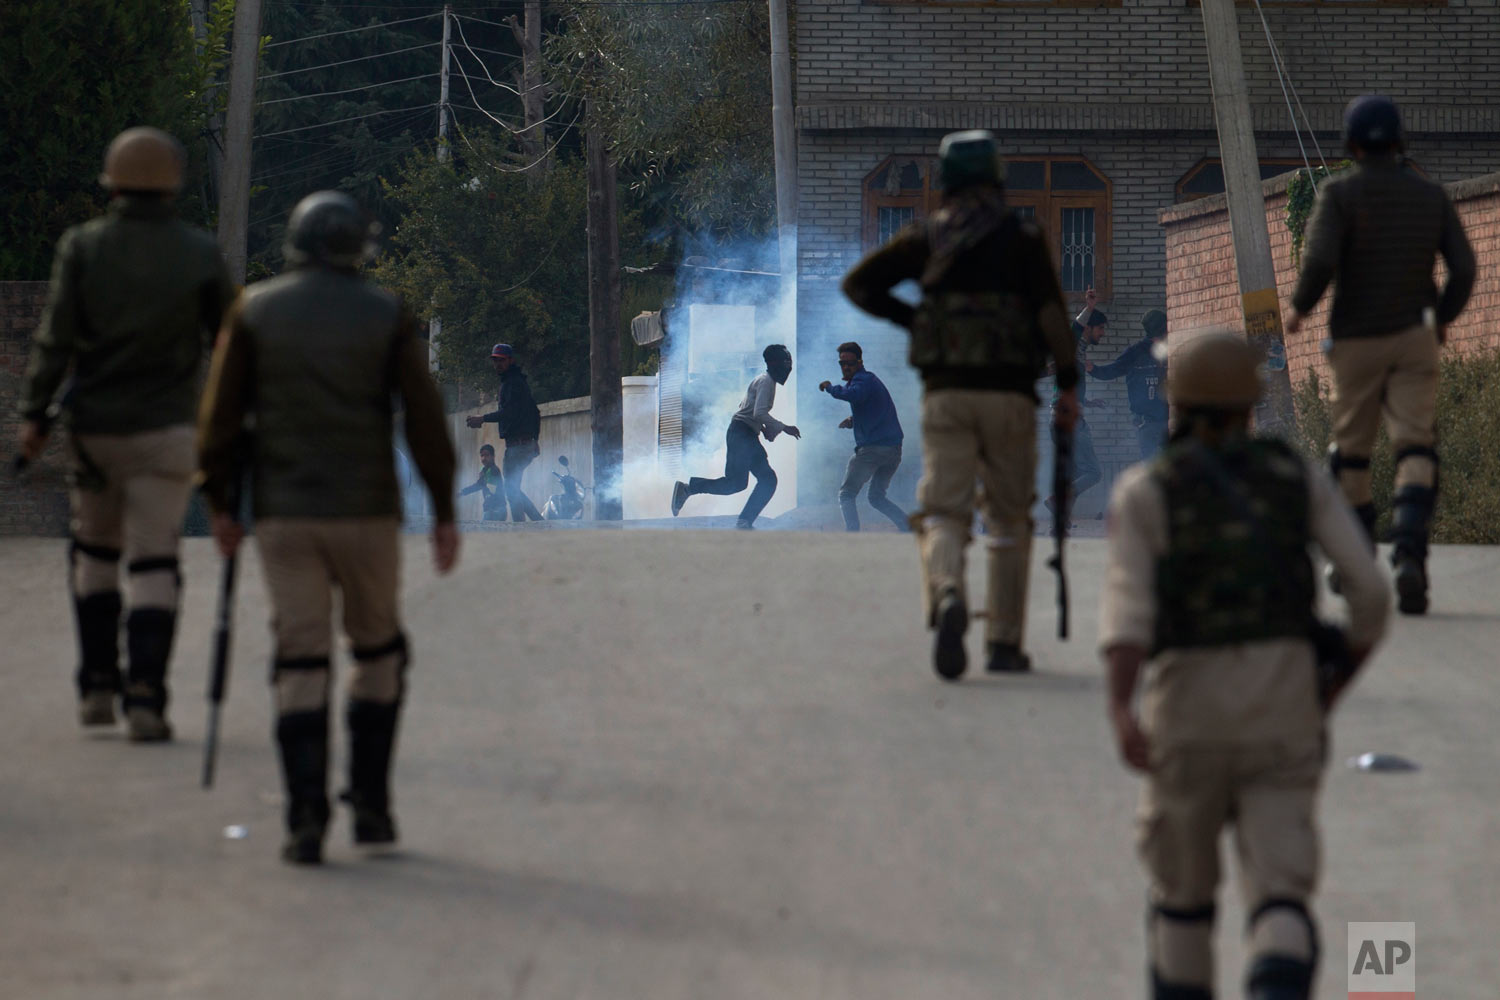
{"x":234,"y":190}
{"x":784,"y":141}
{"x":605,"y":404}
{"x":1247,"y":211}
{"x":435,"y":324}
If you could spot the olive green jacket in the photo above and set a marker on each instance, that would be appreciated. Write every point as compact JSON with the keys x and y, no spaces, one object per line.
{"x":318,"y":359}
{"x":135,"y":296}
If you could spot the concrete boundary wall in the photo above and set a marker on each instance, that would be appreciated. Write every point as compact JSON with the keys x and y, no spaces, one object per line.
{"x":1202,"y":289}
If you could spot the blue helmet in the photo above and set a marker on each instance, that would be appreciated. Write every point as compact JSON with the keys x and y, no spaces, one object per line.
{"x":1372,"y":123}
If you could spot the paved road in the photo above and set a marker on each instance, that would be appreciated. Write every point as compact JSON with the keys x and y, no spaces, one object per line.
{"x":694,"y":765}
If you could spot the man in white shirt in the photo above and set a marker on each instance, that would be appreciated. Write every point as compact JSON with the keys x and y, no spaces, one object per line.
{"x":746,"y":455}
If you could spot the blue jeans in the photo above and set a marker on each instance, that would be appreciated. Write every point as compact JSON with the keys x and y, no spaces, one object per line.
{"x":875,"y":464}
{"x":1150,"y":435}
{"x":745,"y":457}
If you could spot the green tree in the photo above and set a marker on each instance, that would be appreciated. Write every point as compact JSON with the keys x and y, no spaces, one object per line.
{"x":78,"y":73}
{"x":683,"y":93}
{"x":499,"y":255}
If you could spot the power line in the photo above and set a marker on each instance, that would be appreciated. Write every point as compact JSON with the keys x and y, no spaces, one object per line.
{"x":351,"y":90}
{"x":345,"y":62}
{"x":341,"y":150}
{"x":350,"y":31}
{"x":340,"y":121}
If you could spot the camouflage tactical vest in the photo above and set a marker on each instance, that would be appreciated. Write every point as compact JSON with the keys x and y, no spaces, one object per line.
{"x":956,"y":328}
{"x":1228,"y":577}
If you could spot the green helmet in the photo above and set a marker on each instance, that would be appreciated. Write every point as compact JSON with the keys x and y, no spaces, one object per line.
{"x":971,"y":157}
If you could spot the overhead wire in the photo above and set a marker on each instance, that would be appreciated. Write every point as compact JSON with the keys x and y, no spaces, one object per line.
{"x":1282,"y":77}
{"x":514,"y":170}
{"x":340,"y":121}
{"x":350,"y":31}
{"x":345,"y":62}
{"x":351,"y":90}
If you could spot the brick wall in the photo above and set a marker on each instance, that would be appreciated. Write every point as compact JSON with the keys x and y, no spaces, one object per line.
{"x":1202,"y":289}
{"x":39,"y":504}
{"x":1006,"y":65}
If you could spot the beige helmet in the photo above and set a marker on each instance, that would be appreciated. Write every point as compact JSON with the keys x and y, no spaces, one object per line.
{"x":144,"y":159}
{"x":1214,"y":371}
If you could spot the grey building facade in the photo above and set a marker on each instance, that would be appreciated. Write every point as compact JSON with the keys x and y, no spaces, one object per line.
{"x":1105,"y":114}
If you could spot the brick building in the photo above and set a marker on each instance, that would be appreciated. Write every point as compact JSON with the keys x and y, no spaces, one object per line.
{"x":1106,"y":116}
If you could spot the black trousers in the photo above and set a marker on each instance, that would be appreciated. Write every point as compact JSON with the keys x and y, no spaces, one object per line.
{"x":746,"y":457}
{"x":518,"y":455}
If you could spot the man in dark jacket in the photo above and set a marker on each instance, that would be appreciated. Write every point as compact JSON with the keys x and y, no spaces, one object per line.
{"x":315,"y":357}
{"x":1376,"y":232}
{"x":518,"y":422}
{"x":134,"y":297}
{"x":1145,"y":369}
{"x":991,"y":314}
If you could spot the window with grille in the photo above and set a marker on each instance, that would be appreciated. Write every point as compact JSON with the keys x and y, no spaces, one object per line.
{"x":1068,"y":197}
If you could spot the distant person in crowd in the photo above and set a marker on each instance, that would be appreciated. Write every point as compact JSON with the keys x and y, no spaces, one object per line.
{"x":316,"y":357}
{"x":991,"y":315}
{"x":746,"y":456}
{"x":1144,"y":365}
{"x":1089,"y":328}
{"x":490,"y":483}
{"x":518,"y":422}
{"x":877,"y":437}
{"x":1376,"y":232}
{"x":135,"y":296}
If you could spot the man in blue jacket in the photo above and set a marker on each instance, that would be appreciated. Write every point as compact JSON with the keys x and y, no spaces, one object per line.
{"x":1145,"y":382}
{"x":877,"y":438}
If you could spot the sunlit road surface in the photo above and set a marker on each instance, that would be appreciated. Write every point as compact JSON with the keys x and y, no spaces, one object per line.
{"x":696,"y":764}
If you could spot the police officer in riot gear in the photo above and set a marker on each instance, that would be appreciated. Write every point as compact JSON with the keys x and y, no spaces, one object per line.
{"x":991,"y":315}
{"x":1375,"y":233}
{"x":1144,"y":366}
{"x":315,"y":357}
{"x":1209,"y":587}
{"x":134,"y":297}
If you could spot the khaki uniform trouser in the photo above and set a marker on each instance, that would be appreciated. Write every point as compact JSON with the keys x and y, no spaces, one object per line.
{"x":129,"y":497}
{"x":1397,"y":375}
{"x":969,"y":435}
{"x":1268,"y":792}
{"x":304,"y":559}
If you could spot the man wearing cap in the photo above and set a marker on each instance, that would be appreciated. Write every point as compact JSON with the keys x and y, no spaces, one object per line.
{"x":745,"y":455}
{"x":991,"y":314}
{"x":518,"y":422}
{"x":1209,"y":588}
{"x":134,"y":298}
{"x":1089,"y":328}
{"x":1144,"y":366}
{"x":1375,"y":233}
{"x":315,"y":358}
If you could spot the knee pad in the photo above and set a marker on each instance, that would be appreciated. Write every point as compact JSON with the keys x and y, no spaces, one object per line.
{"x":1338,"y":461}
{"x":379,"y":672}
{"x":1283,"y":944}
{"x":154,"y":582}
{"x":301,"y":684}
{"x":1180,"y":944}
{"x":94,"y":568}
{"x":1418,"y":451}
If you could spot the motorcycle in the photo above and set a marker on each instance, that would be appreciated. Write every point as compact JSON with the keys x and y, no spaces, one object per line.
{"x":567,"y":505}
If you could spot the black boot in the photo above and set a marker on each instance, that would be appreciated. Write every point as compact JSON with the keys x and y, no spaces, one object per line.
{"x":1007,"y":658}
{"x":149,"y":633}
{"x":372,"y":742}
{"x":302,"y":738}
{"x":1279,"y":977}
{"x":951,"y":619}
{"x":98,"y":678}
{"x":1411,"y":514}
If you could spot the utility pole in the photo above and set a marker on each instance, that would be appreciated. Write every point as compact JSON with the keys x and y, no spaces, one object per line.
{"x":435,"y":324}
{"x":784,"y":141}
{"x":1247,"y":211}
{"x":234,"y":192}
{"x":442,"y":150}
{"x":604,"y":331}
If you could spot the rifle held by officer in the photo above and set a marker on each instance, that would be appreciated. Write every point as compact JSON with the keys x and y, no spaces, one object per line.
{"x":1062,"y":486}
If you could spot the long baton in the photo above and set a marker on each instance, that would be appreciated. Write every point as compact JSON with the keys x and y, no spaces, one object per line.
{"x":219,"y":675}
